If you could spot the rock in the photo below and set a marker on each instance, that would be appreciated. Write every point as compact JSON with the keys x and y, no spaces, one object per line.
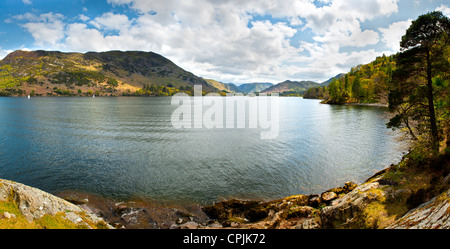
{"x":34,"y":203}
{"x":327,"y":197}
{"x":349,"y":186}
{"x":298,"y":200}
{"x":308,"y":224}
{"x":398,"y":195}
{"x":434,"y":214}
{"x":314,"y":201}
{"x":77,"y":200}
{"x":301,"y":211}
{"x":8,"y":215}
{"x":446,"y":179}
{"x":121,"y":209}
{"x":251,"y":210}
{"x":174,"y":226}
{"x":343,"y":210}
{"x":189,"y":225}
{"x":215,"y":225}
{"x":91,"y":209}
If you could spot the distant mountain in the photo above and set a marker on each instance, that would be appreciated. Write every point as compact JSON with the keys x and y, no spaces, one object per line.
{"x":108,"y":73}
{"x":326,"y":83}
{"x":232,"y":87}
{"x":294,"y":87}
{"x":245,"y":88}
{"x":254,"y":87}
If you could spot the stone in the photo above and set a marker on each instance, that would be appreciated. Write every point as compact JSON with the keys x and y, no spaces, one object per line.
{"x":8,"y":215}
{"x":174,"y":226}
{"x":77,"y":200}
{"x":34,"y":203}
{"x":302,"y":211}
{"x":189,"y":225}
{"x":308,"y":224}
{"x":344,"y":209}
{"x":299,"y":200}
{"x":349,"y":186}
{"x":314,"y":201}
{"x":434,"y":214}
{"x":215,"y":225}
{"x":328,"y":196}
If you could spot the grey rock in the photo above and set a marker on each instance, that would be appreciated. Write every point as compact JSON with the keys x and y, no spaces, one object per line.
{"x":34,"y":203}
{"x":434,"y":214}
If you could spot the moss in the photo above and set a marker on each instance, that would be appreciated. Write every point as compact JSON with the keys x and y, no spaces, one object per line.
{"x":57,"y":221}
{"x":6,"y":206}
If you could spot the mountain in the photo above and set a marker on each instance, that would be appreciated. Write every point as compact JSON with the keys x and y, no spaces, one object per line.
{"x":291,"y":87}
{"x":254,"y":87}
{"x":50,"y":73}
{"x":245,"y":88}
{"x":326,"y":83}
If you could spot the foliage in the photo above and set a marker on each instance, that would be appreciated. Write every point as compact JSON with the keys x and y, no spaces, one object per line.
{"x":419,"y":89}
{"x":363,"y":84}
{"x":316,"y":93}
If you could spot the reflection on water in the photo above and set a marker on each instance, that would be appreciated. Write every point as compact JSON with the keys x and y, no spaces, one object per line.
{"x":127,"y":148}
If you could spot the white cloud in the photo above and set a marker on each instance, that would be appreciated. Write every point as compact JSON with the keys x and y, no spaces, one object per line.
{"x":224,"y":39}
{"x":84,"y":18}
{"x":27,"y":2}
{"x":4,"y":53}
{"x":46,"y":29}
{"x":445,"y":10}
{"x":111,"y":21}
{"x":392,"y":35}
{"x":349,"y":33}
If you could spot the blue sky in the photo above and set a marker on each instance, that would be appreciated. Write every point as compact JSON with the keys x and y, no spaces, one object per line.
{"x":229,"y":40}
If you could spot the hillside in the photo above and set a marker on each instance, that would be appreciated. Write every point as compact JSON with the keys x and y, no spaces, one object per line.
{"x":254,"y":87}
{"x":337,"y":77}
{"x":53,"y":73}
{"x":366,"y":83}
{"x":291,"y":87}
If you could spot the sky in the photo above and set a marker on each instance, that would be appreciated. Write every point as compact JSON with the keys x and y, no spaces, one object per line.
{"x":231,"y":41}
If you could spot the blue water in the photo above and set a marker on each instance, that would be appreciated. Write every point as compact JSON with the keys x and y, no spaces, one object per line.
{"x":126,"y":148}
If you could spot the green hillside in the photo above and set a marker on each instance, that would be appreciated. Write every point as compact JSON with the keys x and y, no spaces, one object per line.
{"x":291,"y":88}
{"x":363,"y":84}
{"x":114,"y":73}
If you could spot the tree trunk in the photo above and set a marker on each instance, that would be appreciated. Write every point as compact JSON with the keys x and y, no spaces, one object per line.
{"x":433,"y":125}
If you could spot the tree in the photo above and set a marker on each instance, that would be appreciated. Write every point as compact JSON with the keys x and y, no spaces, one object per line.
{"x":356,"y":87}
{"x":421,"y":59}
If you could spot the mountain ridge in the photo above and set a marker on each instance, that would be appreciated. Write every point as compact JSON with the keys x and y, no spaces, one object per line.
{"x":291,"y":87}
{"x":116,"y":73}
{"x":54,"y":73}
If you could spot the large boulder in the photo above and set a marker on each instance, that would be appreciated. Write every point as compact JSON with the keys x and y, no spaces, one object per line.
{"x":35,"y":204}
{"x":433,"y":214}
{"x":345,"y":211}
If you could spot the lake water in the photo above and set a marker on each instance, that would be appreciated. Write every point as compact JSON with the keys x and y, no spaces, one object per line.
{"x":126,"y":147}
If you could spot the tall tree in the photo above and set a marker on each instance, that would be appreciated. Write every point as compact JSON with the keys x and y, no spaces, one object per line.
{"x":421,"y":59}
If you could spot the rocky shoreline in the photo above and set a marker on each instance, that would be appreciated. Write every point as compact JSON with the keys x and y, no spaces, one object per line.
{"x":380,"y":202}
{"x":398,"y":197}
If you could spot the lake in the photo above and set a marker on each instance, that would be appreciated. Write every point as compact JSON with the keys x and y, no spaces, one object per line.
{"x":126,"y":147}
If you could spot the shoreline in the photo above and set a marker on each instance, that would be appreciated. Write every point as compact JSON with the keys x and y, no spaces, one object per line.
{"x":148,"y":214}
{"x":394,"y":197}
